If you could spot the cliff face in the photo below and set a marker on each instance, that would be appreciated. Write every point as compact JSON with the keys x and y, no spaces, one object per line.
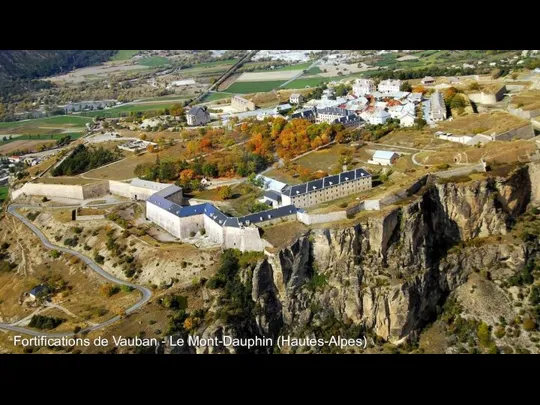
{"x":390,"y":273}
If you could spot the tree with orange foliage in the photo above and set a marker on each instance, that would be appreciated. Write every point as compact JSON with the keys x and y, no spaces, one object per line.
{"x":186,"y":176}
{"x":294,"y":139}
{"x":305,"y":174}
{"x":449,"y":93}
{"x":419,"y":89}
{"x":150,"y":148}
{"x":205,"y":144}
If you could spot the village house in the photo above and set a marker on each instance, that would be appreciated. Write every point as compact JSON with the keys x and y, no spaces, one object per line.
{"x":296,"y":98}
{"x":428,"y":80}
{"x":438,"y":107}
{"x":363,"y":86}
{"x":242,"y":104}
{"x":407,"y":120}
{"x":197,"y":116}
{"x":384,"y":157}
{"x":389,"y":86}
{"x":375,"y":117}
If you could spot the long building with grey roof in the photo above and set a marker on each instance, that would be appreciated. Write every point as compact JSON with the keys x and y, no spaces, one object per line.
{"x":184,"y":222}
{"x":326,"y":189}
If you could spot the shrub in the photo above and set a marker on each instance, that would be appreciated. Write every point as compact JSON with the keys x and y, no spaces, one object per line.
{"x":55,"y":254}
{"x":529,"y":324}
{"x":5,"y":245}
{"x":45,"y":322}
{"x":202,"y":231}
{"x":126,"y":288}
{"x":109,"y":290}
{"x":45,"y":199}
{"x":32,"y":215}
{"x":99,"y":259}
{"x":192,"y":234}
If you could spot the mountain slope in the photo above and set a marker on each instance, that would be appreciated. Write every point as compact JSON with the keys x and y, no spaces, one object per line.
{"x":26,"y":64}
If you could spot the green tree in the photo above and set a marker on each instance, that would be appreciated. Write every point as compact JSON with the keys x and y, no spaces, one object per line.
{"x":225,"y":192}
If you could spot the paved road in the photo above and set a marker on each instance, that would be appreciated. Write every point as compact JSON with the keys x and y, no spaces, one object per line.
{"x":146,"y":293}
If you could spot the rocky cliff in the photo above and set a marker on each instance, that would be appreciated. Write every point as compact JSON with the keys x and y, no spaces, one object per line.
{"x":390,"y":274}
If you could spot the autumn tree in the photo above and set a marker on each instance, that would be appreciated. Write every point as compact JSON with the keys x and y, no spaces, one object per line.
{"x":150,"y":148}
{"x":177,"y":110}
{"x":205,"y":144}
{"x":225,"y":192}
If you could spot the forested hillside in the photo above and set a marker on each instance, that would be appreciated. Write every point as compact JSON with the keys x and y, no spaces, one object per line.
{"x":20,"y":68}
{"x":34,"y":64}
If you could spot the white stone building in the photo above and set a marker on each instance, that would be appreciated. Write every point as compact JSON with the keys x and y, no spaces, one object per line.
{"x":197,"y":116}
{"x":407,"y":120}
{"x":389,"y":86}
{"x":376,"y":117}
{"x":363,"y":86}
{"x":296,"y":98}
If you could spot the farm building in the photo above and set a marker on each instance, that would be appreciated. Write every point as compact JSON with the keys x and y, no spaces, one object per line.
{"x":242,"y":104}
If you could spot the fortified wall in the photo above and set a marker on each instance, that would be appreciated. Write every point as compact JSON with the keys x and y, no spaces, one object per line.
{"x":77,"y":192}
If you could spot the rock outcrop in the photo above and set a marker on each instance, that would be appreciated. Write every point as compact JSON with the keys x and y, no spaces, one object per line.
{"x":391,"y":273}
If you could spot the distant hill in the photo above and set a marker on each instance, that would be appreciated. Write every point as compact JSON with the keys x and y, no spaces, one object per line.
{"x":35,"y":64}
{"x":19,"y":69}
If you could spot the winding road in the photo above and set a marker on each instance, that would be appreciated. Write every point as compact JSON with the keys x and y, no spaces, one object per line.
{"x":146,"y":293}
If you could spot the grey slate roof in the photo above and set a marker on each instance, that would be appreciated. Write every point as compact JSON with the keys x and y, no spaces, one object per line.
{"x":268,"y":215}
{"x":219,"y":217}
{"x":316,"y":185}
{"x":273,"y":195}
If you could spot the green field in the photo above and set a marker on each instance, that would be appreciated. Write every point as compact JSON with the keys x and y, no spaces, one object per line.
{"x":154,"y":61}
{"x":44,"y":137}
{"x":215,"y":97}
{"x":124,"y":55}
{"x":117,"y":111}
{"x":253,"y":87}
{"x":311,"y":82}
{"x":314,"y":70}
{"x":165,"y":98}
{"x":58,"y":120}
{"x":3,"y":193}
{"x":299,"y":66}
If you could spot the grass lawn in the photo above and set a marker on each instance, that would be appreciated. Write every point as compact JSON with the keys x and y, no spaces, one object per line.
{"x":324,"y":159}
{"x":124,"y":55}
{"x":154,"y":61}
{"x":126,"y":109}
{"x":68,"y":120}
{"x":74,"y":136}
{"x":253,"y":87}
{"x":496,"y":122}
{"x":3,"y":193}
